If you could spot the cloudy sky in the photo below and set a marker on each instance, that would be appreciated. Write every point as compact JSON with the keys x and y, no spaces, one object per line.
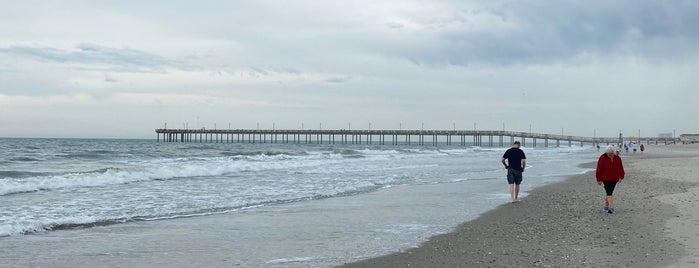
{"x":124,"y":68}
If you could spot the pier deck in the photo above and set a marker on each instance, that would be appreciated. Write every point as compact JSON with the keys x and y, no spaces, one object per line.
{"x":394,"y":137}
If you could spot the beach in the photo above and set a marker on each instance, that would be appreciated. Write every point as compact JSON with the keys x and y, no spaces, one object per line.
{"x":562,"y":224}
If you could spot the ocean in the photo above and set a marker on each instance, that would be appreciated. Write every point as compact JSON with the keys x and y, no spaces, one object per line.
{"x":51,"y":186}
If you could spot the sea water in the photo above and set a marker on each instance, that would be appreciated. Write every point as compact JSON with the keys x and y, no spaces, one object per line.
{"x":60,"y":185}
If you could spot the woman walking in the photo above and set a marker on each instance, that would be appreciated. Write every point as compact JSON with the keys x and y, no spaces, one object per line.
{"x":610,"y":171}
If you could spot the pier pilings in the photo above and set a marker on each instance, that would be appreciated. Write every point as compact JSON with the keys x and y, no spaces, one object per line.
{"x":438,"y":137}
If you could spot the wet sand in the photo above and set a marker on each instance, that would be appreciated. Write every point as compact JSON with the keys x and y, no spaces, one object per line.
{"x":562,"y":225}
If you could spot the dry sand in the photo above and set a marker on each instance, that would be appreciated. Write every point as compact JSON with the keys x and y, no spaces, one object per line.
{"x":562,"y":225}
{"x":684,"y":227}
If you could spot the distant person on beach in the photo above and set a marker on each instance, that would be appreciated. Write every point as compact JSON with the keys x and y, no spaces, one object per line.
{"x":643,"y":148}
{"x":516,"y":162}
{"x":626,"y":148}
{"x":635,"y":147}
{"x":610,"y":171}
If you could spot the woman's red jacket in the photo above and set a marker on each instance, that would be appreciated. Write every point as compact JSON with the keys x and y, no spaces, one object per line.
{"x":609,"y":169}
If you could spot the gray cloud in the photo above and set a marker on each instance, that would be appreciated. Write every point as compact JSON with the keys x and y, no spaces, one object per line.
{"x":336,"y":79}
{"x":109,"y":78}
{"x":550,"y":31}
{"x":394,"y":25}
{"x":101,"y":58}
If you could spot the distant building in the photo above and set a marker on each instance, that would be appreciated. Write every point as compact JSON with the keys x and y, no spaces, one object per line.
{"x":665,"y":135}
{"x":689,"y":138}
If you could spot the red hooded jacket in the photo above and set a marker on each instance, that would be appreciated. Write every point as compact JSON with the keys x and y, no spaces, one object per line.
{"x":609,"y":169}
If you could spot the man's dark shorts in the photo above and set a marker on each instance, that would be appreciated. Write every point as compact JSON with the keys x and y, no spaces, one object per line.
{"x":514,"y":176}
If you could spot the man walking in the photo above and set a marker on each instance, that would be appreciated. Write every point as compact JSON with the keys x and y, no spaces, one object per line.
{"x":516,"y":162}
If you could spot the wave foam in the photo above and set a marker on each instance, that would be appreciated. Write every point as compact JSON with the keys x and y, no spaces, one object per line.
{"x":165,"y":169}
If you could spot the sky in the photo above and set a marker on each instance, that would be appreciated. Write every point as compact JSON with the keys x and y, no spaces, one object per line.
{"x":121,"y":69}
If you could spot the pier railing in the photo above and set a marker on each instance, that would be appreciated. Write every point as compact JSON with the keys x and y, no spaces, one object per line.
{"x":395,"y":137}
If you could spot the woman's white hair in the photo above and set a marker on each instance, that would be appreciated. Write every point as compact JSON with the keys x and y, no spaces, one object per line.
{"x":610,"y":149}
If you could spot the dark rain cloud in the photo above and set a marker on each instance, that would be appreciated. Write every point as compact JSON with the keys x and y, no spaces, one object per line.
{"x":548,"y":31}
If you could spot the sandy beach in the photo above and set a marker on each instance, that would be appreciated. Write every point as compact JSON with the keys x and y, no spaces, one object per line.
{"x":562,"y":225}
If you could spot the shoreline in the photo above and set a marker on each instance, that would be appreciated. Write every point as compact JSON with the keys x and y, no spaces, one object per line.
{"x":562,"y":225}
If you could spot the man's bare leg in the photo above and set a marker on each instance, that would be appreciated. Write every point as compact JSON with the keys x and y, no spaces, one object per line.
{"x":512,"y":193}
{"x":516,"y":192}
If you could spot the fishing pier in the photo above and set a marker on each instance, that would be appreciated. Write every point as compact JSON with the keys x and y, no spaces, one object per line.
{"x":393,"y":137}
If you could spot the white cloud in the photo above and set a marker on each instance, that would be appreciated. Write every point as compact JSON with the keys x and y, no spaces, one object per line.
{"x":43,"y":101}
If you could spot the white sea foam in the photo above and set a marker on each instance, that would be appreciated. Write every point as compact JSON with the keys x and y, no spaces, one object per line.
{"x":173,"y":168}
{"x":161,"y":169}
{"x":290,"y":260}
{"x":14,"y":227}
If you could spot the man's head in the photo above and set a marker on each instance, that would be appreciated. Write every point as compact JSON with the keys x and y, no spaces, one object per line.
{"x":517,"y":144}
{"x":610,"y":150}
